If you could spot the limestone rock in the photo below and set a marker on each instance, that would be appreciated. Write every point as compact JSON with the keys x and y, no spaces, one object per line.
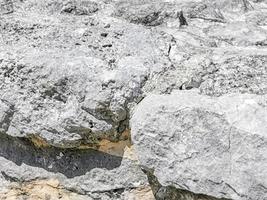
{"x":73,"y":71}
{"x":69,"y":97}
{"x":80,"y":8}
{"x":207,"y":145}
{"x":87,"y":173}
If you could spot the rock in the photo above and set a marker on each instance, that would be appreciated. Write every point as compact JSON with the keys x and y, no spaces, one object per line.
{"x":6,"y":7}
{"x":46,"y":189}
{"x":214,"y":72}
{"x":64,"y":108}
{"x":139,"y":13}
{"x":68,"y":98}
{"x":206,"y":145}
{"x":234,"y":72}
{"x":172,"y":193}
{"x":80,"y":7}
{"x":72,"y":73}
{"x":239,"y":34}
{"x":109,"y":172}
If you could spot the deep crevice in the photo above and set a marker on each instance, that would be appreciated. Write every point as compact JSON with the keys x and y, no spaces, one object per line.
{"x":70,"y":162}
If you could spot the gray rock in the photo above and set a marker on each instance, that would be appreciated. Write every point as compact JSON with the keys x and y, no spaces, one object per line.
{"x":72,"y":72}
{"x":207,"y":145}
{"x":87,"y":172}
{"x":67,"y":98}
{"x":67,"y":83}
{"x":80,"y":8}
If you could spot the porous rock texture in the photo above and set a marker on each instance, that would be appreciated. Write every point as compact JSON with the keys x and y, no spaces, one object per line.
{"x":73,"y":73}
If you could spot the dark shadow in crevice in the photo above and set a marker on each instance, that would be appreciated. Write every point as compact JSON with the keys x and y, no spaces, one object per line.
{"x":70,"y":162}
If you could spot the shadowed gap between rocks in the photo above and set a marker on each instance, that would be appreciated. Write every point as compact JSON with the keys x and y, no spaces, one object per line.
{"x":70,"y":162}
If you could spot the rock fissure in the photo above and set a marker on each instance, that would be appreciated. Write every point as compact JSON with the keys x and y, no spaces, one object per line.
{"x":70,"y":162}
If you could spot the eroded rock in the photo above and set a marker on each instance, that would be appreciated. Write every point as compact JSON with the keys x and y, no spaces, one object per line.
{"x":212,"y":146}
{"x":72,"y":72}
{"x":109,"y":171}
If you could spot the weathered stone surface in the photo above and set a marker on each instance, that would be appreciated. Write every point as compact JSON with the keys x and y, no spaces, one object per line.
{"x":207,"y":145}
{"x":72,"y":72}
{"x":68,"y":97}
{"x":172,"y":193}
{"x":80,"y":7}
{"x":38,"y":190}
{"x":68,"y":78}
{"x":87,"y":172}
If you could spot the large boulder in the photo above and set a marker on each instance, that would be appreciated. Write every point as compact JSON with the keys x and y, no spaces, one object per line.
{"x":66,"y":100}
{"x":67,"y":92}
{"x":207,"y":145}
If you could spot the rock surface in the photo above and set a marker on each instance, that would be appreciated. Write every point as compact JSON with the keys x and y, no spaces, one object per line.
{"x":111,"y":172}
{"x":208,"y":145}
{"x":73,"y":71}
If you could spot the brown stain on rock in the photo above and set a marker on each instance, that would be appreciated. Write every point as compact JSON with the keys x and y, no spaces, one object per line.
{"x":52,"y":190}
{"x":142,"y":193}
{"x":121,"y":148}
{"x":116,"y":148}
{"x":37,"y":190}
{"x":38,"y":141}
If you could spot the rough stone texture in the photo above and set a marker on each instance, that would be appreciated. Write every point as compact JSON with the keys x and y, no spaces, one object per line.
{"x":73,"y":79}
{"x":68,"y":78}
{"x":70,"y":93}
{"x":85,"y":171}
{"x":172,"y":193}
{"x":72,"y":72}
{"x":207,"y":145}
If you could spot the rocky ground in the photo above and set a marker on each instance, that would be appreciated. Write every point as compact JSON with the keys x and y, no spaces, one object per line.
{"x":133,"y":99}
